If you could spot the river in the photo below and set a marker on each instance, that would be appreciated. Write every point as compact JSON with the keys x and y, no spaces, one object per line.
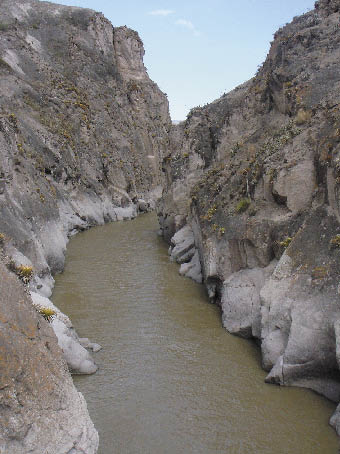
{"x":171,"y":380}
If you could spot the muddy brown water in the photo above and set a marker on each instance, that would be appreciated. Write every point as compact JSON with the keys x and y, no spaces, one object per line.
{"x":171,"y":380}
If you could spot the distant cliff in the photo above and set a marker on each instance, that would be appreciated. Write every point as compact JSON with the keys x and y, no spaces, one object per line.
{"x":254,"y":179}
{"x":83,"y":131}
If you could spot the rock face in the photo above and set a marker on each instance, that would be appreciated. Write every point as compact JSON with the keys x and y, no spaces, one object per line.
{"x":77,"y":357}
{"x":41,"y":411}
{"x":82,"y":129}
{"x":255,"y":176}
{"x":82,"y":136}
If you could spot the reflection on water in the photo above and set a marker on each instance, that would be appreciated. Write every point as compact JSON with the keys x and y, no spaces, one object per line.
{"x":171,"y":379}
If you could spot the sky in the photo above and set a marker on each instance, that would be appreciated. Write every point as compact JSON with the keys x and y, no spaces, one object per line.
{"x":196,"y":50}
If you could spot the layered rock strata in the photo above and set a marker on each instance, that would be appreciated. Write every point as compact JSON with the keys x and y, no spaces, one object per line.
{"x":255,"y":176}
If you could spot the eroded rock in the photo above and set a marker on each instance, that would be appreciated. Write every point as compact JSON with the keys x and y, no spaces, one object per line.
{"x":41,"y":409}
{"x":83,"y":131}
{"x":256,"y":176}
{"x":240,"y":301}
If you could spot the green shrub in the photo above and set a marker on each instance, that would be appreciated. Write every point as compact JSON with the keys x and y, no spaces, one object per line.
{"x":319,"y":272}
{"x":335,"y":241}
{"x":242,"y":206}
{"x":24,"y":272}
{"x":286,"y":242}
{"x":46,"y":312}
{"x":209,"y":214}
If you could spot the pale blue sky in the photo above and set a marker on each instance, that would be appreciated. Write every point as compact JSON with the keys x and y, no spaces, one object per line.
{"x":196,"y":50}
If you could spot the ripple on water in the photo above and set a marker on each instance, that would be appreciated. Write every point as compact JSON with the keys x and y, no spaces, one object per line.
{"x":171,"y":379}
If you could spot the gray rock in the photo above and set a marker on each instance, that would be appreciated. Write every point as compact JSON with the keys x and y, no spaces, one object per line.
{"x":192,"y":269}
{"x":78,"y":359}
{"x":184,"y":252}
{"x":142,"y":206}
{"x":86,"y":343}
{"x":256,"y":174}
{"x":41,"y":409}
{"x":240,"y":301}
{"x":183,"y":244}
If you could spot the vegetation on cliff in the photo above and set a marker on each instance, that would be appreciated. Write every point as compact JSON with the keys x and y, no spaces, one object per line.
{"x":262,"y":163}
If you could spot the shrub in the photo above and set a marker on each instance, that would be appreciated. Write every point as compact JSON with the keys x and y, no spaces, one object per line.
{"x":46,"y":312}
{"x":319,"y":272}
{"x":25,"y":272}
{"x":243,"y":205}
{"x":335,"y":241}
{"x":286,"y":242}
{"x":210,"y":213}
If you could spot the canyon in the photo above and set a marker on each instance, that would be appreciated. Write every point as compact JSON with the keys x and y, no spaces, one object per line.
{"x":82,"y":134}
{"x":246,"y":190}
{"x":251,"y":204}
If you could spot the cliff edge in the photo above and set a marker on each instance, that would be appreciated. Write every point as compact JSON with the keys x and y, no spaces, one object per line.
{"x":83,"y":131}
{"x":41,"y":411}
{"x":253,"y":193}
{"x":82,"y":128}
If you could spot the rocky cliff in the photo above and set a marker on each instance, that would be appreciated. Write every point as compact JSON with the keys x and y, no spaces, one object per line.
{"x":252,"y":190}
{"x":83,"y":131}
{"x":41,"y":411}
{"x":82,"y":127}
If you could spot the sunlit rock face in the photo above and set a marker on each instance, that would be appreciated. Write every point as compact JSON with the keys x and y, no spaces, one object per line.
{"x":83,"y":131}
{"x":256,"y":176}
{"x":82,"y":128}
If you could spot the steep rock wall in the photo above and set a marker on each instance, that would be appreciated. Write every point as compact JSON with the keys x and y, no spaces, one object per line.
{"x":41,"y":411}
{"x":82,"y":127}
{"x":83,"y":131}
{"x":255,"y":175}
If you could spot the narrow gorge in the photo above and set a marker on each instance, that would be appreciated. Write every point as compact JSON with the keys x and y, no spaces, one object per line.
{"x":252,"y":190}
{"x":246,"y":191}
{"x":82,"y":134}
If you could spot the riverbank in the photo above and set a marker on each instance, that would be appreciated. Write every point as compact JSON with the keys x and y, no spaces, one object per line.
{"x":170,"y":378}
{"x":254,"y":176}
{"x":82,"y":133}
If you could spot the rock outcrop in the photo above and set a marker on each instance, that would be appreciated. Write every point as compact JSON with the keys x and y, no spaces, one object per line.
{"x":41,"y":411}
{"x":83,"y":131}
{"x":255,"y":176}
{"x":82,"y":128}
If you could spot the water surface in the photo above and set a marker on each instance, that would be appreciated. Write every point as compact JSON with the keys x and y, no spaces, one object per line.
{"x":171,"y":380}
